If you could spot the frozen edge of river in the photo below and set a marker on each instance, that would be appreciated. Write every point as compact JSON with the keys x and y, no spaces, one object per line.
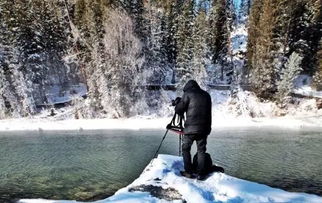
{"x":164,"y":171}
{"x":138,"y":123}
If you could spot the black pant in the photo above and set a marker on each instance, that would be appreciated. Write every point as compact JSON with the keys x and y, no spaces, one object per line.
{"x":201,"y":149}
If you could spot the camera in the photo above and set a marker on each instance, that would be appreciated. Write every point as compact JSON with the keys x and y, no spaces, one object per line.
{"x":176,"y":101}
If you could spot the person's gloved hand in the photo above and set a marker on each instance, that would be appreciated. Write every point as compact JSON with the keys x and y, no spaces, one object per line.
{"x":176,"y":101}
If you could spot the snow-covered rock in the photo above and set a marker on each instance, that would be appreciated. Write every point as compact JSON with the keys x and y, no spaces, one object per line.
{"x":161,"y":182}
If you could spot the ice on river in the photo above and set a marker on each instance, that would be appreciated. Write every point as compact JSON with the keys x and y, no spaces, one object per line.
{"x":164,"y":173}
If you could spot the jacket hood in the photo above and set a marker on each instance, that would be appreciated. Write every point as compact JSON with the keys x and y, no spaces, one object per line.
{"x":191,"y":84}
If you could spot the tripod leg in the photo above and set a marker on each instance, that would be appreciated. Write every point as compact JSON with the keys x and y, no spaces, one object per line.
{"x":156,"y":153}
{"x":180,"y":144}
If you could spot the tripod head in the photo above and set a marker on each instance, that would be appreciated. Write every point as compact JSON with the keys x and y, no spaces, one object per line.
{"x":176,"y":124}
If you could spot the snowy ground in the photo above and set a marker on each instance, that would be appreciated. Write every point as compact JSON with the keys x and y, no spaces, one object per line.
{"x":243,"y":109}
{"x":303,"y":86}
{"x":162,"y":179}
{"x":155,"y":123}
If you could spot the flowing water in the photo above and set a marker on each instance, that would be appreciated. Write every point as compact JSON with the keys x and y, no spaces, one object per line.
{"x":90,"y":165}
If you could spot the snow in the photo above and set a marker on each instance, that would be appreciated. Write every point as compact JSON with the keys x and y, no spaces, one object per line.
{"x":302,"y":86}
{"x":239,"y":39}
{"x":242,"y":109}
{"x":220,"y":120}
{"x":56,"y":94}
{"x":245,"y":107}
{"x":308,"y":92}
{"x":238,"y":46}
{"x":164,"y":172}
{"x":237,"y":109}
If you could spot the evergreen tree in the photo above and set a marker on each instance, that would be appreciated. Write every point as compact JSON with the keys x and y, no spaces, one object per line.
{"x":116,"y":46}
{"x":218,"y":39}
{"x":318,"y":74}
{"x":15,"y":100}
{"x":305,"y":32}
{"x":136,"y":10}
{"x":263,"y":75}
{"x":288,"y":74}
{"x":22,"y":63}
{"x":218,"y":34}
{"x":201,"y":55}
{"x":253,"y":30}
{"x":277,"y":29}
{"x":155,"y":54}
{"x":171,"y":34}
{"x":185,"y":44}
{"x":41,"y":43}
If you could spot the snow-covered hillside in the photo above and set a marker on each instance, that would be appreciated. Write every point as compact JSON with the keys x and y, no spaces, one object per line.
{"x":161,"y":182}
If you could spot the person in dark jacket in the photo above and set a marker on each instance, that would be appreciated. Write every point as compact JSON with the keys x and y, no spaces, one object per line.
{"x":196,"y":104}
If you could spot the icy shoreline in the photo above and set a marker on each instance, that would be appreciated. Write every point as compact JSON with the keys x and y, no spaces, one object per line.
{"x":138,"y":123}
{"x":161,"y":182}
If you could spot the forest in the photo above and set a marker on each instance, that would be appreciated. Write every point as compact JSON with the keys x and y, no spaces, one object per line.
{"x":105,"y":52}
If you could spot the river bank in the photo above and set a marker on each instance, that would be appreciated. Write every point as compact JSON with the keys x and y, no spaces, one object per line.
{"x":137,"y":123}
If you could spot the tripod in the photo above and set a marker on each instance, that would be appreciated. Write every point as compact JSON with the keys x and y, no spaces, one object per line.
{"x":175,"y":126}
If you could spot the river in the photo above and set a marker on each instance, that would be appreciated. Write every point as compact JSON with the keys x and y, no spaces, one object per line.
{"x":91,"y":165}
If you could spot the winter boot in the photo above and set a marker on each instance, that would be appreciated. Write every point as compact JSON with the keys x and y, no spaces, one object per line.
{"x":187,"y":174}
{"x":219,"y":169}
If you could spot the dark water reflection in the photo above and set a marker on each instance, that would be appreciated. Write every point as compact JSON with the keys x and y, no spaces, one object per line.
{"x":91,"y":165}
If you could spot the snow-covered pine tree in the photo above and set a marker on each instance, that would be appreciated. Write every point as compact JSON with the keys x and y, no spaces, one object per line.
{"x":15,"y":91}
{"x":229,"y":66}
{"x":3,"y":106}
{"x":253,"y":31}
{"x":184,"y":69}
{"x":7,"y":38}
{"x":305,"y":32}
{"x":201,"y":55}
{"x":80,"y":46}
{"x":171,"y":44}
{"x":281,"y":33}
{"x":288,"y":74}
{"x":219,"y":33}
{"x":294,"y":28}
{"x":14,"y":95}
{"x":155,"y":66}
{"x":15,"y":87}
{"x":264,"y":71}
{"x":317,"y":79}
{"x":88,"y":47}
{"x":137,"y":11}
{"x":42,"y":43}
{"x":32,"y":48}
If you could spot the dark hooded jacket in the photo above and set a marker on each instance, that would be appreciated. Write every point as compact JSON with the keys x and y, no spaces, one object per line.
{"x":196,"y":103}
